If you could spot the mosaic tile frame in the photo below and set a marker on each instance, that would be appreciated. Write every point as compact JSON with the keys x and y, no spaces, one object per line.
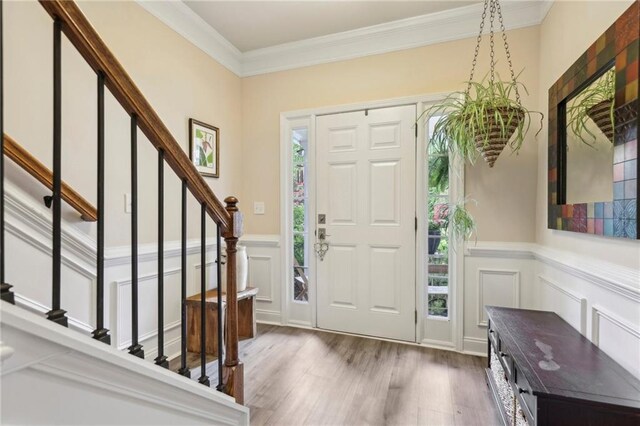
{"x":619,"y":45}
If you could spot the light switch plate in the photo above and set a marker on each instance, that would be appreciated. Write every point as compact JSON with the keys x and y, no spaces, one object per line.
{"x":258,"y":207}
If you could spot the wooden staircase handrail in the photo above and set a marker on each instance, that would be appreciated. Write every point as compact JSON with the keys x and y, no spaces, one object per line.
{"x":35,"y":168}
{"x":86,"y":40}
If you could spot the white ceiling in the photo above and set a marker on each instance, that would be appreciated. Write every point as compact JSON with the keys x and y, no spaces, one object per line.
{"x":250,"y":25}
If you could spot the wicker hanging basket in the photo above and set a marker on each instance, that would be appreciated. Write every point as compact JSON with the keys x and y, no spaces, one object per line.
{"x":600,"y":113}
{"x":492,"y":141}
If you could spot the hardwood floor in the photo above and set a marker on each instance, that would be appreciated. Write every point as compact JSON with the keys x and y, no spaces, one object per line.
{"x":306,"y":377}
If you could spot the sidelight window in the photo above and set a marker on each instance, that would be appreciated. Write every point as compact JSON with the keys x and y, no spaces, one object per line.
{"x":438,"y":162}
{"x":300,"y":217}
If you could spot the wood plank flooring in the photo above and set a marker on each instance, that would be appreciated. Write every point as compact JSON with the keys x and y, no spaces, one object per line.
{"x":306,"y":377}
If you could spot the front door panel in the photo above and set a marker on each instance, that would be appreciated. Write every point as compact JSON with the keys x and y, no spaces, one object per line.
{"x":366,"y":190}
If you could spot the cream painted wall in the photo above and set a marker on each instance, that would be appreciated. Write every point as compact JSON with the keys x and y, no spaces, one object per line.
{"x":568,"y":30}
{"x":179,"y":80}
{"x":505,"y":194}
{"x":191,"y":84}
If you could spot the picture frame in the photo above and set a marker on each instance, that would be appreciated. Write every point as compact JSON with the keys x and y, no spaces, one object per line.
{"x":204,"y":148}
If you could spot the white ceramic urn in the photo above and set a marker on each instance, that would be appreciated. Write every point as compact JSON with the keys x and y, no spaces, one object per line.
{"x":242,"y":270}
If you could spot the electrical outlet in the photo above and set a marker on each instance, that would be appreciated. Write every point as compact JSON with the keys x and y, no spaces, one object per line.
{"x":127,"y":203}
{"x":258,"y":207}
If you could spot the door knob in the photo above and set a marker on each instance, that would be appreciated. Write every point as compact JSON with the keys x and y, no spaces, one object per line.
{"x":322,"y":234}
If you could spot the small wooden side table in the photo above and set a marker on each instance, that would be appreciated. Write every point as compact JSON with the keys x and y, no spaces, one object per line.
{"x":246,"y":318}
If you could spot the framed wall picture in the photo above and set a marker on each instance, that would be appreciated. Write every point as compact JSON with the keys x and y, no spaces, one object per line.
{"x":204,"y":147}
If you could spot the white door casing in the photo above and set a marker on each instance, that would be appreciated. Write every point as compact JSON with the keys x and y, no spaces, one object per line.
{"x":365,"y":165}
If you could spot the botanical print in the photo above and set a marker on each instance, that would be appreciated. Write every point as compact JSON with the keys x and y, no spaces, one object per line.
{"x":204,"y":146}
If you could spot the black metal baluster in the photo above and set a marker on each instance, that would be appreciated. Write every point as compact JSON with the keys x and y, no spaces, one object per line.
{"x":219,"y":284}
{"x":100,"y":333}
{"x":56,"y":314}
{"x":204,"y":379}
{"x":161,"y":359}
{"x":184,"y":370}
{"x":135,"y":348}
{"x":5,"y":289}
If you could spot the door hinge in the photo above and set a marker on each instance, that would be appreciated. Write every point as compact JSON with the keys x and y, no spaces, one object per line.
{"x":416,"y":127}
{"x":416,"y":223}
{"x":416,"y":316}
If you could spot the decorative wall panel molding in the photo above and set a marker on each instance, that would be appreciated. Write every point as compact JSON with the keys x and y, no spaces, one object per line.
{"x":146,"y":307}
{"x":621,"y":280}
{"x":617,"y":337}
{"x":497,"y":287}
{"x":564,"y":294}
{"x":260,"y":276}
{"x":31,"y":222}
{"x":598,"y":313}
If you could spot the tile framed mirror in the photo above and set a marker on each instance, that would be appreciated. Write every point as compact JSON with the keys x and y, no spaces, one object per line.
{"x":593,"y":136}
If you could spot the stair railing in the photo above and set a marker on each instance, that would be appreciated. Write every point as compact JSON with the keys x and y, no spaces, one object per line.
{"x":69,"y":21}
{"x":39,"y":171}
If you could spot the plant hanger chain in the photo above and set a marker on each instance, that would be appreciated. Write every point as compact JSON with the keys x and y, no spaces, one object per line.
{"x":493,"y":6}
{"x":478,"y":42}
{"x":507,"y":52}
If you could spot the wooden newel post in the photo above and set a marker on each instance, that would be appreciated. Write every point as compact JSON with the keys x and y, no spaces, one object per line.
{"x":233,"y":373}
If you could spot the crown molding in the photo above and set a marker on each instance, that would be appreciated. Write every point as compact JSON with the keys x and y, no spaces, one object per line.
{"x":180,"y":18}
{"x":392,"y":36}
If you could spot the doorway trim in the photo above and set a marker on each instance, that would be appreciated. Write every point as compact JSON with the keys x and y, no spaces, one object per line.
{"x":291,"y":312}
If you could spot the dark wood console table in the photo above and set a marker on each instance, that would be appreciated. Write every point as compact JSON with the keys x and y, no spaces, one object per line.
{"x":547,"y":373}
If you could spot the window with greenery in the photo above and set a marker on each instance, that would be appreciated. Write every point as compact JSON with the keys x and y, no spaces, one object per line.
{"x":300,"y":218}
{"x":438,"y":237}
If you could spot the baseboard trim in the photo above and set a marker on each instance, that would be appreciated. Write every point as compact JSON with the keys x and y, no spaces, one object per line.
{"x":268,"y":317}
{"x":475,"y":346}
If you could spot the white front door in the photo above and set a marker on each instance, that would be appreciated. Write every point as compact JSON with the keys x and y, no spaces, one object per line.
{"x":366,"y":190}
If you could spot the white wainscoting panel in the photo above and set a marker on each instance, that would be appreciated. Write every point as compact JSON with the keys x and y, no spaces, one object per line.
{"x":497,"y":287}
{"x":493,"y":277}
{"x":601,"y":300}
{"x":260,"y":276}
{"x":28,"y":261}
{"x":263,"y":252}
{"x":618,"y":338}
{"x":569,"y":305}
{"x":147,"y":307}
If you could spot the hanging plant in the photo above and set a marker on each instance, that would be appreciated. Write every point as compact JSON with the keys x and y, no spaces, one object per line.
{"x":452,"y":217}
{"x":462,"y":224}
{"x":489,"y":114}
{"x":595,"y":103}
